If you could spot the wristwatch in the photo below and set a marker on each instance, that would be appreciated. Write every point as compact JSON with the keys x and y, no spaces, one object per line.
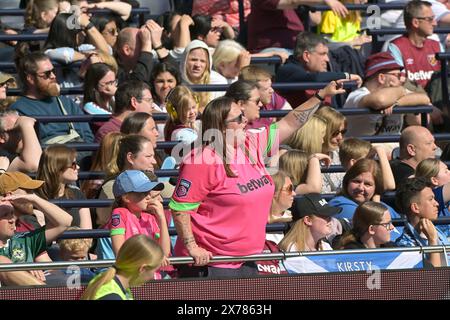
{"x":317,"y":95}
{"x":90,"y":25}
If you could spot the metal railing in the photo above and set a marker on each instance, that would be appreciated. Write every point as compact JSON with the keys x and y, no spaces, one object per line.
{"x":141,"y":12}
{"x":444,"y":57}
{"x":216,"y":259}
{"x":291,"y":86}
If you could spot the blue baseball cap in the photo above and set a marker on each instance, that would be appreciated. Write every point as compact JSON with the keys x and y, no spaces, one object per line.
{"x":134,"y":181}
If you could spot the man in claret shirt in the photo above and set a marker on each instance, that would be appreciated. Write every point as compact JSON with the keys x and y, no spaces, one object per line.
{"x":414,"y":51}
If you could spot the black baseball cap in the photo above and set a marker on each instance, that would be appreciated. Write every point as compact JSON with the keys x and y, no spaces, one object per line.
{"x":313,"y":204}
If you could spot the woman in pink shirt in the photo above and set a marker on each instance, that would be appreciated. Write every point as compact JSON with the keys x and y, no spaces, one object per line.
{"x":224,"y":193}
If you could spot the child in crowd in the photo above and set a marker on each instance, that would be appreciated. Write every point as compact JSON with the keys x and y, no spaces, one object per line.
{"x":77,"y":250}
{"x":136,"y":263}
{"x":182,"y":107}
{"x":138,"y":210}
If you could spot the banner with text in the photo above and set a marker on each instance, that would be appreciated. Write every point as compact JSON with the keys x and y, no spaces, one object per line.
{"x":354,"y":262}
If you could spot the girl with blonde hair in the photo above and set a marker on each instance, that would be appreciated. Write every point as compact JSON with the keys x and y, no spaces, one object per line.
{"x":311,"y":136}
{"x":196,"y":68}
{"x":136,"y":262}
{"x":105,"y":161}
{"x":311,"y":224}
{"x":182,"y":106}
{"x":304,"y":169}
{"x":334,"y":135}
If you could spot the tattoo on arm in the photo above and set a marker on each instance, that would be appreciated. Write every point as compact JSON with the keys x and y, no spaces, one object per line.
{"x":302,"y":116}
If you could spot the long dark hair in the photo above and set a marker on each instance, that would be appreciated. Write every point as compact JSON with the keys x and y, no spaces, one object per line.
{"x":93,"y":75}
{"x":214,"y":117}
{"x":157,"y":70}
{"x":60,"y":35}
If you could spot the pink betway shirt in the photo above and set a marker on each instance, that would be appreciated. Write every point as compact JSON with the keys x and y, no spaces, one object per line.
{"x":228,"y":214}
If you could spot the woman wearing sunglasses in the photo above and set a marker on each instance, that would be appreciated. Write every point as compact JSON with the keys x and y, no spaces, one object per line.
{"x":224,"y":193}
{"x":59,"y":169}
{"x":281,"y":202}
{"x":372,"y":226}
{"x":334,"y":135}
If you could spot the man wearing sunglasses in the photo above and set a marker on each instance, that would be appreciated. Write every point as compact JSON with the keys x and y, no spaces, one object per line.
{"x":382,"y":91}
{"x":41,"y":97}
{"x":414,"y":50}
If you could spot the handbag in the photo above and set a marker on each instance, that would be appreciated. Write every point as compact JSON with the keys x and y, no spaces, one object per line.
{"x":73,"y":135}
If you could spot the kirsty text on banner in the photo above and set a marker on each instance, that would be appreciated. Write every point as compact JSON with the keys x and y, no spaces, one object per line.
{"x":354,"y":262}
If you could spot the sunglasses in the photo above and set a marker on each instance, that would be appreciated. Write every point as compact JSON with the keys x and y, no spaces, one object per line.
{"x":109,"y":83}
{"x":343,"y":132}
{"x":289,"y":189}
{"x":239,"y":119}
{"x":74,"y":165}
{"x":46,"y":74}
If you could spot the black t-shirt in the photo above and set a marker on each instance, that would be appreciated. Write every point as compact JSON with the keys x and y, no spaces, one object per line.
{"x":74,"y":212}
{"x":10,"y":156}
{"x":401,"y":170}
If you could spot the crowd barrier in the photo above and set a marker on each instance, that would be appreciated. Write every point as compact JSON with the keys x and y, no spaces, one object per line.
{"x":141,"y":12}
{"x":55,"y":265}
{"x":444,"y":57}
{"x":217,"y":87}
{"x":10,"y":66}
{"x":395,"y":285}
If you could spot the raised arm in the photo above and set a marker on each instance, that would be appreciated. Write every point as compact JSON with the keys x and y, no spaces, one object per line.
{"x":335,"y":5}
{"x":313,"y":183}
{"x":123,"y":9}
{"x":57,"y":220}
{"x":181,"y":34}
{"x":94,"y":36}
{"x":386,"y":171}
{"x":28,"y":159}
{"x":295,"y":119}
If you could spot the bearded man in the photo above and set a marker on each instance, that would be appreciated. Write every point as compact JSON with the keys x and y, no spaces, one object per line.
{"x":42,"y":98}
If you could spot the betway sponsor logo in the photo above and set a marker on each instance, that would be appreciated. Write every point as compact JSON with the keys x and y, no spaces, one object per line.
{"x":253,"y":184}
{"x":421,"y":75}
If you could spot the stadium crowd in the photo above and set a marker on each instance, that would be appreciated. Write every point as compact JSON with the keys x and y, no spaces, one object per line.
{"x":238,"y":171}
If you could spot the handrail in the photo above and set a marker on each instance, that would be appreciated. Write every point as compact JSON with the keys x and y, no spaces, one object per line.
{"x":382,"y":6}
{"x":170,"y":144}
{"x":217,"y":87}
{"x":255,"y":60}
{"x":444,"y":56}
{"x":386,"y":31}
{"x":21,"y":12}
{"x":270,"y":228}
{"x":263,"y":114}
{"x":186,"y":260}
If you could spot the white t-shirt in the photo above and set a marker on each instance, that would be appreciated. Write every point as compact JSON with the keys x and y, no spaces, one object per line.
{"x":368,"y":124}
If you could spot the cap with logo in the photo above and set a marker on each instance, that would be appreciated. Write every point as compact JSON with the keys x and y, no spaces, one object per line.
{"x":11,"y":181}
{"x":134,"y":181}
{"x":313,"y":204}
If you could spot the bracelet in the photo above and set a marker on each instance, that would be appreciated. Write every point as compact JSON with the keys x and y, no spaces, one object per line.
{"x":158,"y":48}
{"x":317,"y":95}
{"x":90,"y":25}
